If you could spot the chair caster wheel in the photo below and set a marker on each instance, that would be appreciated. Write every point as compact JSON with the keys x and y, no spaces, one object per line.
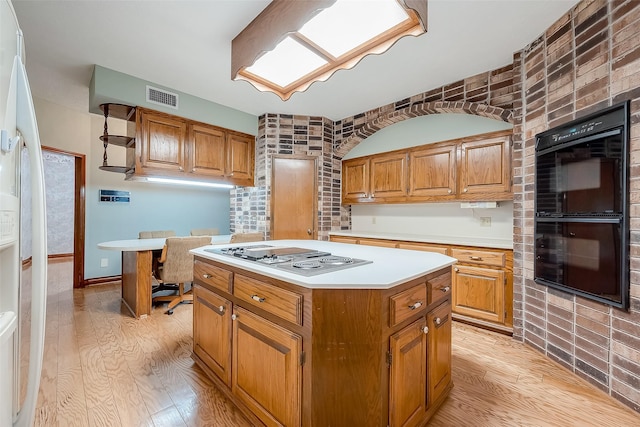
{"x":169,"y":312}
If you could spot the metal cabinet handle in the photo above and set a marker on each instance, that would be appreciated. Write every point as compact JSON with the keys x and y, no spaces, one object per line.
{"x":425,"y":330}
{"x":464,"y":191}
{"x":181,"y":169}
{"x":437,"y":321}
{"x":234,"y":316}
{"x":476,"y":258}
{"x":456,"y":269}
{"x":364,"y":194}
{"x":449,"y":190}
{"x":445,"y":289}
{"x":207,"y":276}
{"x":257,"y":298}
{"x":373,"y":195}
{"x":221,"y":309}
{"x":309,"y":231}
{"x":415,"y":305}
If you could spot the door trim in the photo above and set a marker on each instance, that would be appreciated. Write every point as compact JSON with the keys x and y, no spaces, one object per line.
{"x":315,"y":190}
{"x":78,"y":213}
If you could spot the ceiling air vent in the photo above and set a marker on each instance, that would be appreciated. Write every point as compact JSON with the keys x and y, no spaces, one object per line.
{"x":162,"y":97}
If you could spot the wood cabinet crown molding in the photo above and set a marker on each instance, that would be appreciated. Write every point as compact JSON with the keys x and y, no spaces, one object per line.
{"x":475,"y":168}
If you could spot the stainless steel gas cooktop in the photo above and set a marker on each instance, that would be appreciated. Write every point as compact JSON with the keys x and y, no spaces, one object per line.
{"x":305,"y":262}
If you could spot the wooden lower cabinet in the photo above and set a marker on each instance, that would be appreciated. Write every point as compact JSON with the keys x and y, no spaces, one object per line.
{"x":479,"y":292}
{"x":345,"y":362}
{"x":212,"y":331}
{"x":268,"y":371}
{"x":439,"y":350}
{"x":481,"y":283}
{"x":408,"y":376}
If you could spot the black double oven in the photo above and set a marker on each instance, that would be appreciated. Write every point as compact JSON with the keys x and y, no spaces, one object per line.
{"x":581,"y":207}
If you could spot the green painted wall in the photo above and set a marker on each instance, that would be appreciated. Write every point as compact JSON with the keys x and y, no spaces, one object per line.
{"x":112,"y":86}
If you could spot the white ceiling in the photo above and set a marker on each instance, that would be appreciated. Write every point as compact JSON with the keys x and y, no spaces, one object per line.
{"x":185,"y":45}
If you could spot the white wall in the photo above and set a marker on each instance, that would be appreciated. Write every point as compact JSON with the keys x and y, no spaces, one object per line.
{"x":152,"y":207}
{"x":430,"y":219}
{"x":434,"y":219}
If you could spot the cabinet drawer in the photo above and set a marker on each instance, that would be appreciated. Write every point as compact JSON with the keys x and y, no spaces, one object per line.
{"x":211,"y":275}
{"x":406,"y":303}
{"x":423,"y":247}
{"x":440,"y":287}
{"x":281,"y":302}
{"x":473,"y":256}
{"x":381,"y":243}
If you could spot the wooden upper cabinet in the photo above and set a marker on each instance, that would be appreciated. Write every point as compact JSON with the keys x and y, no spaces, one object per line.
{"x":355,"y":179}
{"x":240,"y":158}
{"x":161,"y":143}
{"x":474,"y":168}
{"x":432,"y":172}
{"x":388,"y":176}
{"x":485,"y":167}
{"x":175,"y":147}
{"x":208,"y":149}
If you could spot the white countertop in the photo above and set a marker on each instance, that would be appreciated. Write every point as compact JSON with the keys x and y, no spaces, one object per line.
{"x":390,"y":267}
{"x":482,"y":242}
{"x":150,"y":244}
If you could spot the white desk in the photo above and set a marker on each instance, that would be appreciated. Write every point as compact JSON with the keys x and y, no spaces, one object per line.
{"x":137,"y":261}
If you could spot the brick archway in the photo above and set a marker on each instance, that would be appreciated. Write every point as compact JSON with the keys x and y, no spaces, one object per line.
{"x":416,"y":110}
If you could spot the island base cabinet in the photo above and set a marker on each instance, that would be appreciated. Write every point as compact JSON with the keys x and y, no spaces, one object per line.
{"x":439,"y":350}
{"x":212,"y":331}
{"x":267,"y":374}
{"x":407,"y":388}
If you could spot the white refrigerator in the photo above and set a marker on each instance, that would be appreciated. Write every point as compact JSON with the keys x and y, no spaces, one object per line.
{"x":18,"y":132}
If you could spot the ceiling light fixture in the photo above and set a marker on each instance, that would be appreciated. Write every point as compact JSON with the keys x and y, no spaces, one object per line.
{"x":190,"y":183}
{"x":292,"y":44}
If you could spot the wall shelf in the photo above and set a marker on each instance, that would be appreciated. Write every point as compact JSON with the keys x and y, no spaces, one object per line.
{"x":123,"y":112}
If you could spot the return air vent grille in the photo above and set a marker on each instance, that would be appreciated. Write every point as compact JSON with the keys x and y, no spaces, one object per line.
{"x":162,"y":97}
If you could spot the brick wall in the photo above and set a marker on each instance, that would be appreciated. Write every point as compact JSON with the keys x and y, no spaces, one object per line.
{"x":587,"y":60}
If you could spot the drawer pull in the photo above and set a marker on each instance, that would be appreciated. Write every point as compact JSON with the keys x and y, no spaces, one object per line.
{"x":449,"y":191}
{"x":234,"y":316}
{"x":221,"y":309}
{"x":456,"y":269}
{"x":415,"y":305}
{"x":425,"y":330}
{"x":476,"y":258}
{"x":257,"y":298}
{"x":207,"y":276}
{"x":445,"y":289}
{"x":437,"y":321}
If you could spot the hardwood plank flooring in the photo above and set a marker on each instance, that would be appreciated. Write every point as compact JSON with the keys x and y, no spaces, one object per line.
{"x":104,"y":368}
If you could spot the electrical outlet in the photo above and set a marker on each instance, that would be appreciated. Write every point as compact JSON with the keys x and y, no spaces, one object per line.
{"x":485,"y":221}
{"x":104,"y":262}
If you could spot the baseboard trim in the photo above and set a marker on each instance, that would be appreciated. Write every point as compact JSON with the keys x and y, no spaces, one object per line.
{"x":100,"y":280}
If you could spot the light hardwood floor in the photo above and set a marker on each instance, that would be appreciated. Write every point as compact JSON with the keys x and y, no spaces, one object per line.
{"x":104,"y":368}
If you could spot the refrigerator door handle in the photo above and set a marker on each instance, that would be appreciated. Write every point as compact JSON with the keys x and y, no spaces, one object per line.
{"x":27,"y":126}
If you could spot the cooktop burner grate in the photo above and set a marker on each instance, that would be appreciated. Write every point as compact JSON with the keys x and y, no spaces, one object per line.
{"x":307,"y":264}
{"x":336,"y":260}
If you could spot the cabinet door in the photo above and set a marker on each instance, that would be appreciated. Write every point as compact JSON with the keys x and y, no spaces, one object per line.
{"x":162,"y":142}
{"x":207,"y":148}
{"x":479,"y":292}
{"x":355,"y":180}
{"x":432,"y":172}
{"x":212,"y":331}
{"x":267,"y":373}
{"x":408,"y":376}
{"x":439,"y":322}
{"x":240,"y":158}
{"x":388,"y":177}
{"x":485,"y":167}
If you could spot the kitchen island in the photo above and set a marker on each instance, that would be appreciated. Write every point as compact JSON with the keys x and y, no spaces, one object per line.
{"x":361,"y":345}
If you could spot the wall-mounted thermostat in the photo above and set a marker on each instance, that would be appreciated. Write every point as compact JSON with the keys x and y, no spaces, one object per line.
{"x":115,"y":196}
